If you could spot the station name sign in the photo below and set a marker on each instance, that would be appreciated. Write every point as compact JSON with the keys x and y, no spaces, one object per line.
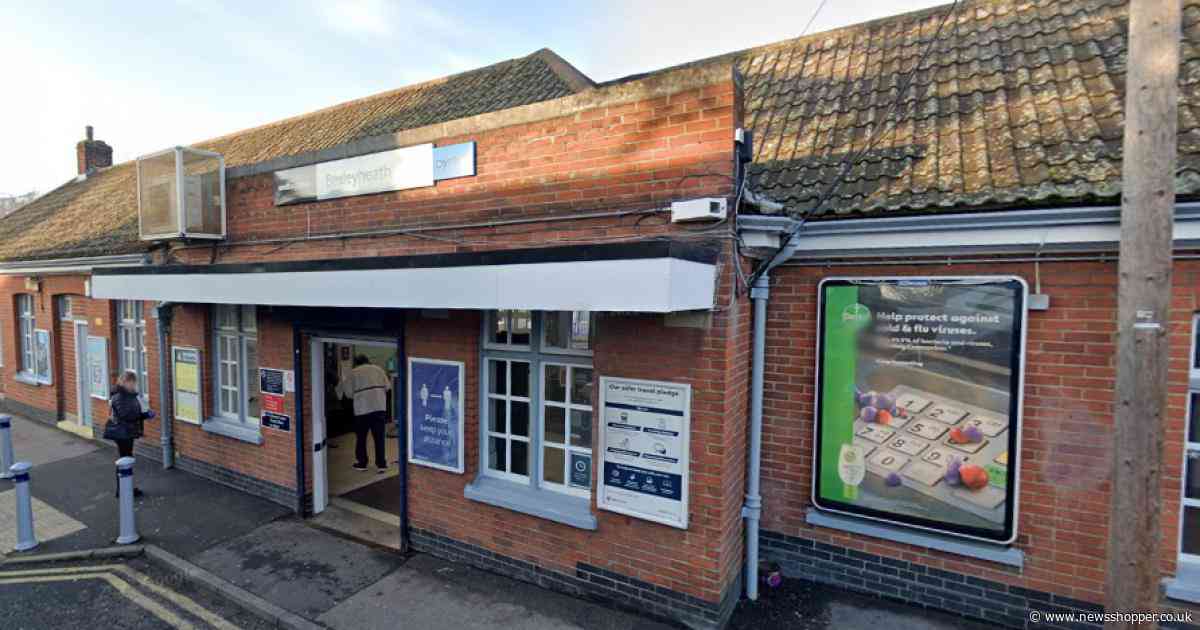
{"x":398,"y":169}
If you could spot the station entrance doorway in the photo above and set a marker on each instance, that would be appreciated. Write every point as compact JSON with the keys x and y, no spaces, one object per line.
{"x":340,"y":437}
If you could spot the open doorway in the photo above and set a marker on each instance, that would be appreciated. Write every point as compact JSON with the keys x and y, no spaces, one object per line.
{"x":343,"y":370}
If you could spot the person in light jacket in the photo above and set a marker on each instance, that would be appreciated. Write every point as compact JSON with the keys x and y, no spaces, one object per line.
{"x":126,"y":423}
{"x":369,"y":386}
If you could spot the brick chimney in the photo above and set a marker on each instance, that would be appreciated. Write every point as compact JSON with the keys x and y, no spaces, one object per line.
{"x":92,"y":154}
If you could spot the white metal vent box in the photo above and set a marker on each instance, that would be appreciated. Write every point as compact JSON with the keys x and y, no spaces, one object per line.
{"x":705,"y":208}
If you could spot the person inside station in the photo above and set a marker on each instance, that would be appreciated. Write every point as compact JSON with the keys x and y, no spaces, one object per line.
{"x":370,"y":386}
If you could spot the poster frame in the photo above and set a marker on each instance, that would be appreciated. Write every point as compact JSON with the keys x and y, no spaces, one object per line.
{"x":1016,"y":410}
{"x":462,"y":373}
{"x":102,"y":343}
{"x":175,"y":389}
{"x":686,"y":452}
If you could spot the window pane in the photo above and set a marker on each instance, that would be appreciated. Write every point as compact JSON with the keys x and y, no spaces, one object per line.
{"x":520,"y":418}
{"x":581,"y":428}
{"x":249,"y":318}
{"x":1191,"y":479}
{"x":556,"y":424}
{"x":498,"y":326}
{"x":1194,"y":422}
{"x":553,"y":463}
{"x":497,"y":459}
{"x":1191,"y":531}
{"x":556,"y":383}
{"x":497,"y":416}
{"x":520,"y":458}
{"x":252,"y":394}
{"x":581,"y":386}
{"x":568,"y":330}
{"x":521,"y":323}
{"x":227,"y":317}
{"x":498,"y":377}
{"x":520,"y":379}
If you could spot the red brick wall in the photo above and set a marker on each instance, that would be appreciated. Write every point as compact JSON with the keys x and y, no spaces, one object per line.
{"x":1066,"y":450}
{"x":632,"y":156}
{"x":274,"y":460}
{"x":702,"y":560}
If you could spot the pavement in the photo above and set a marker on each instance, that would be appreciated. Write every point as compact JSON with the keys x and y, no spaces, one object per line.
{"x":234,"y":560}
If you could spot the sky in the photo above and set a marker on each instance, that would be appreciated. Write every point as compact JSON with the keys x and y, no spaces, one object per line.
{"x":150,"y":75}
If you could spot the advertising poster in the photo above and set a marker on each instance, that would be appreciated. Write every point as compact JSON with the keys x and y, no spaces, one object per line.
{"x":277,"y":421}
{"x":97,"y":364}
{"x":185,"y":369}
{"x":644,"y":458}
{"x":435,"y":418}
{"x":918,"y":401}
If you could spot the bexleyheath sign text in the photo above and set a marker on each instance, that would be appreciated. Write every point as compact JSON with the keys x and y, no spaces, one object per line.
{"x":398,"y":169}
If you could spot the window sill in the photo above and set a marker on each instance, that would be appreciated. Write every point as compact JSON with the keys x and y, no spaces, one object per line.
{"x":1185,"y":586}
{"x":28,"y":379}
{"x":220,"y":426}
{"x":552,"y":506}
{"x":1001,"y":554}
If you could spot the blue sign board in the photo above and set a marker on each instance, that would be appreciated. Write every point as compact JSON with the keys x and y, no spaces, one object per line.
{"x":277,"y":421}
{"x":435,"y":413}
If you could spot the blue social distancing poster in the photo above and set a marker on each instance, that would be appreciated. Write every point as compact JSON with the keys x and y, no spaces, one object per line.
{"x":435,"y":390}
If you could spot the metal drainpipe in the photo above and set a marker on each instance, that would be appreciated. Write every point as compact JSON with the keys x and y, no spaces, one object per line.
{"x":166,"y":434}
{"x":752,"y":511}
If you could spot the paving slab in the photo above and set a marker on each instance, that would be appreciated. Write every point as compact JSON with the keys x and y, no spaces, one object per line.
{"x":300,"y":568}
{"x":428,"y":592}
{"x":39,"y":443}
{"x":180,"y":512}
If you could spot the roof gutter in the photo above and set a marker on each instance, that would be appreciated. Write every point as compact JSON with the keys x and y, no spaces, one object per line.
{"x":1036,"y":231}
{"x":61,"y":266}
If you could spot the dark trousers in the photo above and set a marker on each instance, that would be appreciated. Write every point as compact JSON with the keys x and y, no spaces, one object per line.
{"x":376,"y":424}
{"x":124,"y":449}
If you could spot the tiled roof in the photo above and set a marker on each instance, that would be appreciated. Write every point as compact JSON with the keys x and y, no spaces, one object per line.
{"x":98,"y":215}
{"x":1020,"y":103}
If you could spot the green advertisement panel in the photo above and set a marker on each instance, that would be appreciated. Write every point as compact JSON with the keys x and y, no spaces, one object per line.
{"x":918,"y":401}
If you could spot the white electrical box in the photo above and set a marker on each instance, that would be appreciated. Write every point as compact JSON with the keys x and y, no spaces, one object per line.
{"x":705,"y":208}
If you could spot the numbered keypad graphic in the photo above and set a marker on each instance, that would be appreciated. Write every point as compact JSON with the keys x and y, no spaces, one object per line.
{"x":916,"y":444}
{"x":927,"y":429}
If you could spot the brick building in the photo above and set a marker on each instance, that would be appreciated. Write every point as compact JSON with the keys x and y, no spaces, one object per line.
{"x":509,"y":233}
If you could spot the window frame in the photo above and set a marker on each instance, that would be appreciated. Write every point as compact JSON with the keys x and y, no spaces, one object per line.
{"x":546,"y":348}
{"x":246,"y":388}
{"x":66,"y":307}
{"x":26,"y":324}
{"x":1189,"y":447}
{"x":131,"y":328}
{"x":536,"y":358}
{"x":566,"y":446}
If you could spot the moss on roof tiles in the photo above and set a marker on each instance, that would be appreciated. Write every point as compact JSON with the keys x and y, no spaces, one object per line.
{"x":1020,"y":103}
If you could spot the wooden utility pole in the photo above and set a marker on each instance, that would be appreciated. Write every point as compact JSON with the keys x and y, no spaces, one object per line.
{"x":1144,"y":294}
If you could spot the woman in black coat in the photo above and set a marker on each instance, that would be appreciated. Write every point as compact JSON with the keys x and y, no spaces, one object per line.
{"x":125,"y":425}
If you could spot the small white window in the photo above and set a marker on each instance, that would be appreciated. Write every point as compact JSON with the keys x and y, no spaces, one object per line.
{"x":567,"y":428}
{"x":537,"y":413}
{"x":236,"y":364}
{"x":1189,"y":530}
{"x":131,"y":336}
{"x":568,"y":332}
{"x":66,"y":307}
{"x":508,"y":419}
{"x":509,"y":329}
{"x":25,"y":324}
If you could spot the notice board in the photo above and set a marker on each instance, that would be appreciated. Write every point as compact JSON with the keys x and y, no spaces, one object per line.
{"x":97,"y":367}
{"x":919,"y":385}
{"x":435,"y":413}
{"x":644,"y":437}
{"x":186,"y":377}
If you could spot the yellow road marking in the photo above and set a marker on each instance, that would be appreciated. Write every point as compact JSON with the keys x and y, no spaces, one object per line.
{"x":122,"y":587}
{"x":67,"y":573}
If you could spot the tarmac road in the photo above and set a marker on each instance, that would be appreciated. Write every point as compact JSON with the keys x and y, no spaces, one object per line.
{"x":114,"y":594}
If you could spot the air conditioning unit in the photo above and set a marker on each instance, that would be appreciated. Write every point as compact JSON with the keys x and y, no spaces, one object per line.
{"x":181,"y":195}
{"x":705,"y":208}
